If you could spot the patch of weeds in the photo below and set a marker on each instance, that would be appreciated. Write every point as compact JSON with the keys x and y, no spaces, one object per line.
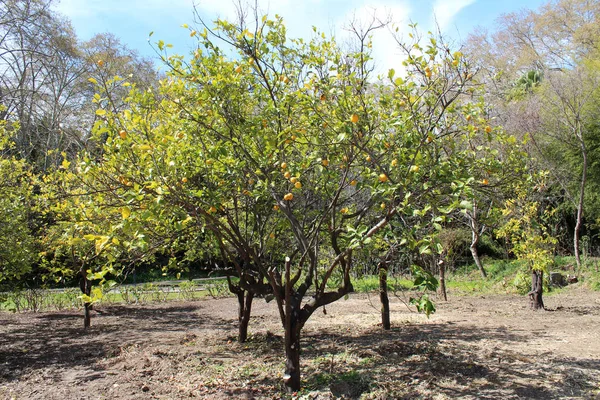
{"x":187,"y":290}
{"x":216,"y":367}
{"x":132,"y":294}
{"x":218,"y":289}
{"x":350,"y":385}
{"x":367,"y":361}
{"x":65,"y":300}
{"x":251,"y":370}
{"x":320,"y":380}
{"x":25,"y":300}
{"x":155,"y":292}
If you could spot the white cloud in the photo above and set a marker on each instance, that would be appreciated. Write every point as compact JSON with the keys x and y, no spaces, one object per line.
{"x":445,"y":10}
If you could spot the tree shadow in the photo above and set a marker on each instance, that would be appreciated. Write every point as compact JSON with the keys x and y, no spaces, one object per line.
{"x":436,"y":357}
{"x":58,"y":340}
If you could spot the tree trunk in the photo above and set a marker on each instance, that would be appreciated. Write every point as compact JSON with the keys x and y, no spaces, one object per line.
{"x":579,"y":219}
{"x":291,"y":378}
{"x":383,"y":296}
{"x":86,"y":288}
{"x":244,"y":308}
{"x":86,"y":315}
{"x":442,"y":266}
{"x":577,"y":230}
{"x":537,"y":289}
{"x":475,"y":254}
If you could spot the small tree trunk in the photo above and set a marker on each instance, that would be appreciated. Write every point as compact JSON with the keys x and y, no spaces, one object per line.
{"x":244,"y":308}
{"x":86,"y":288}
{"x":291,"y":378}
{"x":442,"y":266}
{"x":86,"y":315}
{"x":292,"y":327}
{"x":383,"y":296}
{"x":535,"y":296}
{"x":475,"y":254}
{"x":579,"y":218}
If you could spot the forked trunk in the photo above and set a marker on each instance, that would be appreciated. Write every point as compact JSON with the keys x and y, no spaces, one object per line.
{"x":535,"y":296}
{"x":244,"y":308}
{"x":383,"y":296}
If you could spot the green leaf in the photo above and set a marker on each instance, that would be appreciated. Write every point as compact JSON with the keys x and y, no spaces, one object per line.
{"x":425,"y":249}
{"x":466,"y":205}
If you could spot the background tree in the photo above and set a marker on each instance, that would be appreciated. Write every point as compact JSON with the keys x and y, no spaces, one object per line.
{"x":525,"y":230}
{"x":46,"y":79}
{"x":527,"y":63}
{"x":18,"y":247}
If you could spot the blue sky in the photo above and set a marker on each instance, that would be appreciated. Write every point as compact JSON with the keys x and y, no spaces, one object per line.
{"x":132,"y":20}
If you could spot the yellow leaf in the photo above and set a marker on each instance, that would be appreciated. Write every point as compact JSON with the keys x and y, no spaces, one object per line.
{"x":101,"y":242}
{"x":92,"y":80}
{"x":125,"y":212}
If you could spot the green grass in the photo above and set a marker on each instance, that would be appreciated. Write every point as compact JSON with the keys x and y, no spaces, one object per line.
{"x":70,"y":298}
{"x":500,"y":277}
{"x":370,"y":283}
{"x":504,"y":276}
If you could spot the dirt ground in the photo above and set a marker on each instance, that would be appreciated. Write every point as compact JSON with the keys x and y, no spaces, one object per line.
{"x":475,"y":347}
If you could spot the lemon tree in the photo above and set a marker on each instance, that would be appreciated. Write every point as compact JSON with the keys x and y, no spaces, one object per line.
{"x":290,"y":156}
